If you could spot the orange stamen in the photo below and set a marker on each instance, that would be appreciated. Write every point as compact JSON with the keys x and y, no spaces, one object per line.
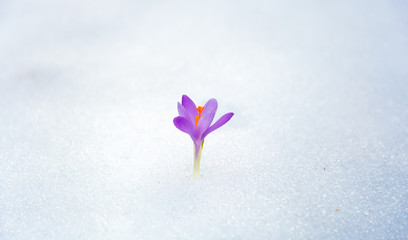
{"x":199,"y":109}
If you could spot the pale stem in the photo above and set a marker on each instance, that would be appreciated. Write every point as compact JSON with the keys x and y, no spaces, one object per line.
{"x":198,"y":148}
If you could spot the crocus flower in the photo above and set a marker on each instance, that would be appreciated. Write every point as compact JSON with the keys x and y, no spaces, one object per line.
{"x":196,"y":121}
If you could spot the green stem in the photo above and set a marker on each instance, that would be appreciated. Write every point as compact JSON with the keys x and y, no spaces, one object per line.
{"x":197,"y":158}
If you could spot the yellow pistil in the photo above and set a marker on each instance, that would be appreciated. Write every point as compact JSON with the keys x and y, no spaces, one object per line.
{"x":199,"y":109}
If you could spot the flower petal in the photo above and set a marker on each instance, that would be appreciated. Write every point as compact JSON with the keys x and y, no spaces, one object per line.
{"x":184,"y":125}
{"x":210,"y":108}
{"x":182,"y":111}
{"x":190,"y":107}
{"x":223,"y":120}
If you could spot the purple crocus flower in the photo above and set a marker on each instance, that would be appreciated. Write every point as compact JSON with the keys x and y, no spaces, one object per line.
{"x":196,"y":121}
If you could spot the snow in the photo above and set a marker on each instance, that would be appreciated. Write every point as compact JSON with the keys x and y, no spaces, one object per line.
{"x":317,"y":149}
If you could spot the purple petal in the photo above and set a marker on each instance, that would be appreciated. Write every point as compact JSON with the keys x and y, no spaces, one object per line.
{"x":184,"y":125}
{"x":190,"y":107}
{"x":182,"y":111}
{"x":223,"y":120}
{"x":210,"y":108}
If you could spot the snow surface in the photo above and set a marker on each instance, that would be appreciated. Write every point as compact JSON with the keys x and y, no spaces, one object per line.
{"x":317,"y":149}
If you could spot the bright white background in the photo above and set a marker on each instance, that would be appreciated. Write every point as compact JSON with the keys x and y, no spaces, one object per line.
{"x":89,"y":89}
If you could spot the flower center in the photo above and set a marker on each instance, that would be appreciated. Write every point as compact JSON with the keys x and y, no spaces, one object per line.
{"x":199,"y":109}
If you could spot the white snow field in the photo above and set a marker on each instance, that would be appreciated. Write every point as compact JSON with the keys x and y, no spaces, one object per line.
{"x":317,"y":149}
